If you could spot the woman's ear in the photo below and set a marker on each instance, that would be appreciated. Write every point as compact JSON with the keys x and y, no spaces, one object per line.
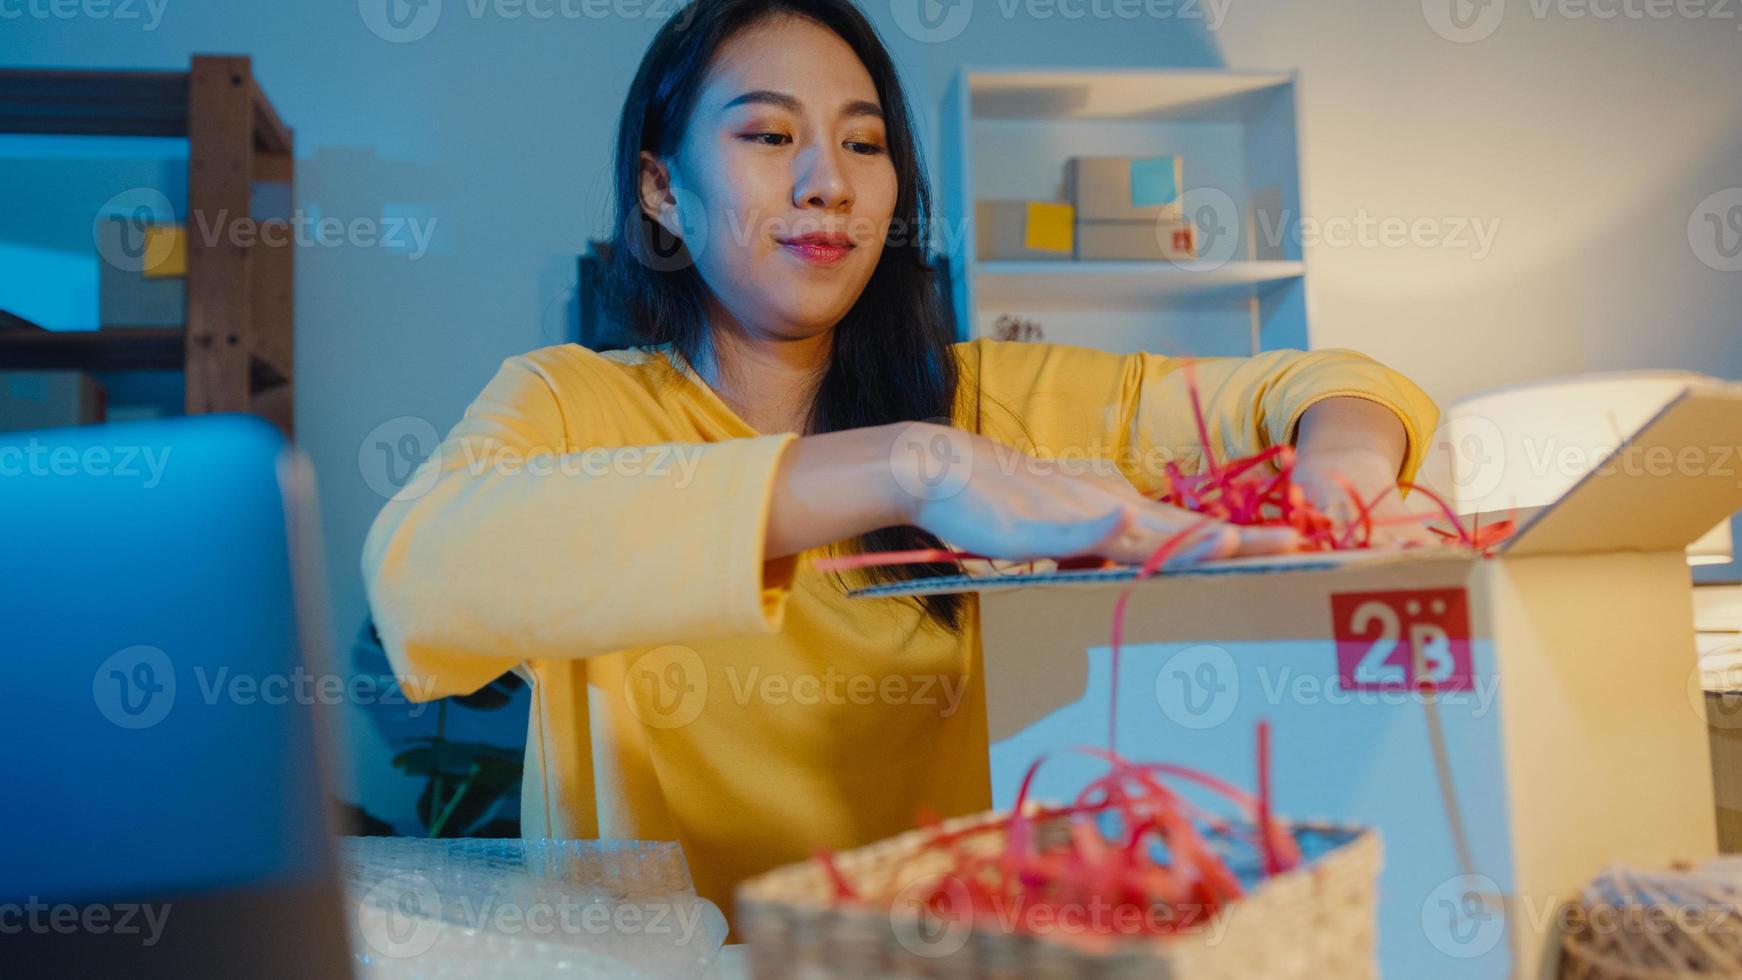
{"x":657,"y":200}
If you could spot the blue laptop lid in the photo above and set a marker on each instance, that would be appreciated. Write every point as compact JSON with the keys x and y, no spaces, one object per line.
{"x":157,"y":710}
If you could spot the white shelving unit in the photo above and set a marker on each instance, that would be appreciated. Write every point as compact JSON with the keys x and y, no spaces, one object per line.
{"x":1008,"y":132}
{"x":1124,"y":285}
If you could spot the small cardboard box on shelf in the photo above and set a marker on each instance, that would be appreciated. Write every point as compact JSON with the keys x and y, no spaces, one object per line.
{"x":1142,"y":189}
{"x":142,"y":274}
{"x":1021,"y":229}
{"x":49,"y":400}
{"x":1136,"y":241}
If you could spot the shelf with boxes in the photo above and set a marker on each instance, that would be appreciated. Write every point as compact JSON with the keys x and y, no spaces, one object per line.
{"x":1138,"y":209}
{"x":1044,"y":285}
{"x":220,"y":314}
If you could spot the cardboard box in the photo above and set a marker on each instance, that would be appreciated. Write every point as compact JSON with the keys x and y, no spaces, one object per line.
{"x":1568,"y":730}
{"x":1136,"y":241}
{"x":49,"y":400}
{"x":137,"y":280}
{"x":1125,"y":188}
{"x":1021,"y":229}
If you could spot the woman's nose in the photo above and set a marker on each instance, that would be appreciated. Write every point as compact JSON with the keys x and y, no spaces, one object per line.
{"x":821,"y":180}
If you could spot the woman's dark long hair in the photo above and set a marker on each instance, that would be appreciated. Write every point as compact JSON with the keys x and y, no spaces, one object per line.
{"x":891,"y":359}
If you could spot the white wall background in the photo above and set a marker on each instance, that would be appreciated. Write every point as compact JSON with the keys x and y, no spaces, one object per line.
{"x":1584,"y":142}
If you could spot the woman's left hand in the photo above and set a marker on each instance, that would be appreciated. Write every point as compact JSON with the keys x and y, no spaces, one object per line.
{"x":1327,"y":477}
{"x":1354,"y":443}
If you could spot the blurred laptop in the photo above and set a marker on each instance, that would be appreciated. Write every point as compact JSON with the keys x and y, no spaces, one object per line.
{"x":165,"y":812}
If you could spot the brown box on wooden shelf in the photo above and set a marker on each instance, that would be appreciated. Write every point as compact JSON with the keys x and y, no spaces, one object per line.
{"x":142,"y":274}
{"x":49,"y":400}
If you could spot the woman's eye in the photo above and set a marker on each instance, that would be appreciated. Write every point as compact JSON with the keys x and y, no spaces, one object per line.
{"x":860,"y":147}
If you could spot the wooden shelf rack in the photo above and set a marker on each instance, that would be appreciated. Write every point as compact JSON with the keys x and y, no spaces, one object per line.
{"x":237,"y":347}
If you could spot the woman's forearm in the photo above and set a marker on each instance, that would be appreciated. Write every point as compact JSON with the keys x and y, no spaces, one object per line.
{"x":1354,"y":431}
{"x":839,"y":485}
{"x":980,"y":496}
{"x":836,"y":486}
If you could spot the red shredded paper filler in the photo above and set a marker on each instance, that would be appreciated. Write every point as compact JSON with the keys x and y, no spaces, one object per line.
{"x":1194,"y":882}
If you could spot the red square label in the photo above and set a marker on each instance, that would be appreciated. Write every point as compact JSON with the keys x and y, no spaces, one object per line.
{"x":1403,"y":641}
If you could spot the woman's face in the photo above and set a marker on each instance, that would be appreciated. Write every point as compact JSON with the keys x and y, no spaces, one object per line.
{"x":785,"y":160}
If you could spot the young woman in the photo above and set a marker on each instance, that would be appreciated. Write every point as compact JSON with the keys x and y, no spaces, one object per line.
{"x":630,"y":530}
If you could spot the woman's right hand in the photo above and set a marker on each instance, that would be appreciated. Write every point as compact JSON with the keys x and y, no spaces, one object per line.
{"x":984,"y":497}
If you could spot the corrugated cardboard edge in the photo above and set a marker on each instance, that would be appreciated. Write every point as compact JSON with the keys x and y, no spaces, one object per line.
{"x":1256,"y":565}
{"x":1622,"y":505}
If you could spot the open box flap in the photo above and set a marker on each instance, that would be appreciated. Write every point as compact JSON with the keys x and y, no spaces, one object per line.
{"x":1662,"y":488}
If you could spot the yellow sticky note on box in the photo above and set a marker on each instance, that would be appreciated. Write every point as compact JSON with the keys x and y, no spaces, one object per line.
{"x":166,"y":252}
{"x":1047,"y":226}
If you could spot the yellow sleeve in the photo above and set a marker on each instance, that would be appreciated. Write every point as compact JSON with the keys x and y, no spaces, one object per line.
{"x":1136,"y":409}
{"x":519,"y":540}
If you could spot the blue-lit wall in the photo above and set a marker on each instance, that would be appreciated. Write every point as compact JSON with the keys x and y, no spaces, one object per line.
{"x":1586,"y":142}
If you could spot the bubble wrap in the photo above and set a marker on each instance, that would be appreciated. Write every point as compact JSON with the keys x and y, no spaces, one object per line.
{"x":423,"y":909}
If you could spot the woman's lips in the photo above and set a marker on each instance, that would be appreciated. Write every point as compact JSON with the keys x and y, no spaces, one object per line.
{"x":816,"y":252}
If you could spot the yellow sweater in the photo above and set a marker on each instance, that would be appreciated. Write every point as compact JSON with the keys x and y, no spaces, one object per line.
{"x":683,"y":688}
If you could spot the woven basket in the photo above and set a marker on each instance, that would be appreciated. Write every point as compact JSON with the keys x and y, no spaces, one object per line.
{"x":1680,"y":923}
{"x":1314,"y":922}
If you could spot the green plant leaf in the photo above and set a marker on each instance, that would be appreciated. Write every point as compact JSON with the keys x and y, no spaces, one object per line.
{"x":454,"y":760}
